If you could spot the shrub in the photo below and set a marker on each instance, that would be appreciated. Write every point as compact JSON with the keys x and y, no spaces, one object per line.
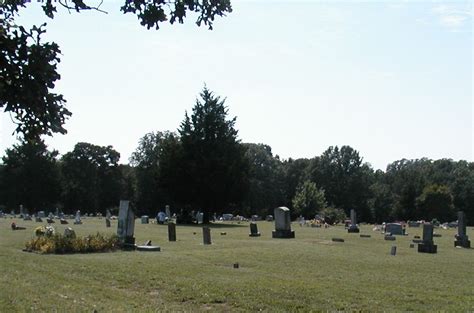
{"x":60,"y":244}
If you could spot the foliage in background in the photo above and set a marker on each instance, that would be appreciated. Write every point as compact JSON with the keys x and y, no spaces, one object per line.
{"x":309,"y":200}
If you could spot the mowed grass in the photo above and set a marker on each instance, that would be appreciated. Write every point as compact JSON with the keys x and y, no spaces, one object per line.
{"x":307,"y":273}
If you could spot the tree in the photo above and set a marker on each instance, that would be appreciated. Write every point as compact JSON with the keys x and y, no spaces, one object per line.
{"x":436,"y":202}
{"x":154,"y":168}
{"x":30,"y":176}
{"x":91,"y":178}
{"x":344,"y":178}
{"x":28,"y":66}
{"x":295,"y":173}
{"x":214,"y":170}
{"x":266,"y":181}
{"x":308,"y":199}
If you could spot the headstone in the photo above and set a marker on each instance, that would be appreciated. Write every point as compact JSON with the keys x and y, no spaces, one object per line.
{"x":282,"y":224}
{"x":38,"y":219}
{"x":254,"y":230}
{"x":27,"y":217}
{"x":107,"y":218}
{"x":148,"y":248}
{"x":57,"y":212}
{"x":427,"y":246}
{"x":462,"y":240}
{"x":412,"y":245}
{"x":269,"y":218}
{"x":353,"y":227}
{"x":337,"y":239}
{"x":171,"y":231}
{"x":41,"y":214}
{"x":394,"y":228}
{"x":199,"y":217}
{"x":413,"y":224}
{"x":206,"y":235}
{"x":391,"y":238}
{"x":77,"y":220}
{"x":63,"y":221}
{"x":21,"y":210}
{"x":126,"y":224}
{"x":393,"y":251}
{"x":49,"y":220}
{"x":145,"y":219}
{"x":365,"y":236}
{"x":236,"y":265}
{"x":167,"y":211}
{"x":69,"y":233}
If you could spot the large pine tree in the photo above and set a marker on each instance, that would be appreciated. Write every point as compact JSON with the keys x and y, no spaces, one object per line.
{"x":214,"y":170}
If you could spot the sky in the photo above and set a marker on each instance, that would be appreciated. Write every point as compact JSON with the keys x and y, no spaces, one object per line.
{"x":391,"y":79}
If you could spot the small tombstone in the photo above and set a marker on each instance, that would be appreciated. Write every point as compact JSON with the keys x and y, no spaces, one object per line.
{"x":206,"y":235}
{"x":38,"y":219}
{"x":337,"y":239}
{"x":365,"y":236}
{"x":393,"y":251}
{"x":462,"y":240}
{"x":427,"y":245}
{"x":107,"y":218}
{"x":63,"y":221}
{"x":389,"y":237}
{"x":353,"y":228}
{"x":69,"y":233}
{"x":413,"y":224}
{"x":27,"y":217}
{"x":77,"y":220}
{"x":417,"y":241}
{"x":171,"y":232}
{"x":236,"y":265}
{"x":416,"y":237}
{"x":254,"y":230}
{"x":126,"y":225}
{"x":394,"y":229}
{"x":283,"y":224}
{"x":223,"y":233}
{"x":436,"y":235}
{"x":148,"y":248}
{"x":49,"y":220}
{"x":145,"y":219}
{"x":412,"y":245}
{"x":41,"y":214}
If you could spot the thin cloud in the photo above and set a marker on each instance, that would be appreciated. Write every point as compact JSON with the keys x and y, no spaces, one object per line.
{"x":452,"y":17}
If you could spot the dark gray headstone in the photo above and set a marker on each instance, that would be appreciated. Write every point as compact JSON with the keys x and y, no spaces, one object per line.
{"x":427,"y":245}
{"x":145,"y":219}
{"x":391,"y":238}
{"x":107,"y":222}
{"x":206,"y":235}
{"x":393,"y":250}
{"x":353,"y":228}
{"x":394,"y":228}
{"x":254,"y":230}
{"x":171,"y":231}
{"x":462,"y":240}
{"x":337,"y":239}
{"x":283,"y":224}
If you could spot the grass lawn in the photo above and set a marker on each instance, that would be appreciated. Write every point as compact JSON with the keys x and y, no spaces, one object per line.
{"x":307,"y":273}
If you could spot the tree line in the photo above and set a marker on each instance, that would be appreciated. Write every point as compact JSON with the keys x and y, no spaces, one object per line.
{"x":204,"y":166}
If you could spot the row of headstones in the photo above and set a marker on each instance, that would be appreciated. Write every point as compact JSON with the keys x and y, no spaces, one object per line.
{"x":126,"y":225}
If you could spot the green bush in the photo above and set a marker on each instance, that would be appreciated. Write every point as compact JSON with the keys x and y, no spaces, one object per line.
{"x":60,"y":244}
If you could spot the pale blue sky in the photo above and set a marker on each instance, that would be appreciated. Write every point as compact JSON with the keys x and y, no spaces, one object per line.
{"x":391,"y":80}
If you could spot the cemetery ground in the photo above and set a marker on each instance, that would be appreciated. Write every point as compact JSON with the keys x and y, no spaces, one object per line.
{"x":310,"y":272}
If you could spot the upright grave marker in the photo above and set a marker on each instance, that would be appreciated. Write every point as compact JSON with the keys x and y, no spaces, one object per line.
{"x":126,"y":224}
{"x":427,"y":246}
{"x":107,"y":218}
{"x":206,"y":235}
{"x":171,"y":231}
{"x":283,"y":224}
{"x":353,"y":227}
{"x":78,"y":218}
{"x":462,"y":240}
{"x":254,"y":230}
